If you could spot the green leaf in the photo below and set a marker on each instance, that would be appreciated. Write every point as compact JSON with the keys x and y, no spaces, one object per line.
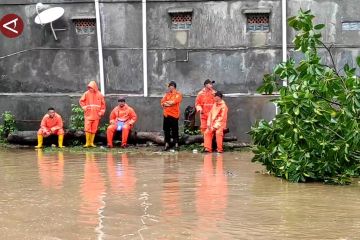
{"x":296,"y":111}
{"x":358,"y":61}
{"x":319,"y":26}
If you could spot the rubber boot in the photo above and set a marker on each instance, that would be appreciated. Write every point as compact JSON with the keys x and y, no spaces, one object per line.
{"x":87,"y":136}
{"x":40,"y":139}
{"x":60,"y":141}
{"x":92,"y":138}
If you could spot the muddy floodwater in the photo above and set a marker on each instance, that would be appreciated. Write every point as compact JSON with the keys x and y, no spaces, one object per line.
{"x":64,"y":195}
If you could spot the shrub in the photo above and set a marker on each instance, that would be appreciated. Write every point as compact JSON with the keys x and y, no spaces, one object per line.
{"x":9,"y":124}
{"x":315,"y":136}
{"x":77,"y":118}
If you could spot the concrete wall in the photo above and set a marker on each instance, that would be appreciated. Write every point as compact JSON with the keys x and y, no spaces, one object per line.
{"x":346,"y":44}
{"x":34,"y":67}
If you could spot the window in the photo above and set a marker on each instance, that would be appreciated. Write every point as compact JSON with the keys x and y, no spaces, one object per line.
{"x":257,"y":22}
{"x":181,"y":18}
{"x":351,"y":26}
{"x":84,"y":25}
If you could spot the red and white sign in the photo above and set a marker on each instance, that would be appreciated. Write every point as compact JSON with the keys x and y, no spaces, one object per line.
{"x":11,"y":25}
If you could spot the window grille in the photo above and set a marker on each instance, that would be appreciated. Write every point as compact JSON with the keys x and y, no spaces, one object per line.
{"x":351,"y":26}
{"x":181,"y":20}
{"x":85,"y":25}
{"x":257,"y":22}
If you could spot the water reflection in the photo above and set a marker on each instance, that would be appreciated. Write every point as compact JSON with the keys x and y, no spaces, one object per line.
{"x":170,"y":195}
{"x":51,"y":195}
{"x":121,"y":175}
{"x":51,"y":169}
{"x":211,"y":194}
{"x":92,"y":194}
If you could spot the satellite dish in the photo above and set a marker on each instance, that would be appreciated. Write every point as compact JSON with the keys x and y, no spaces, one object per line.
{"x":48,"y":16}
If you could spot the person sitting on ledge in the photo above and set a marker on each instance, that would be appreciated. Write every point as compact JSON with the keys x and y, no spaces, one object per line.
{"x":122,"y":118}
{"x":51,"y":123}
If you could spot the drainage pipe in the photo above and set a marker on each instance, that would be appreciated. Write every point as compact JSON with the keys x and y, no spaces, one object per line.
{"x":99,"y":41}
{"x":284,"y":34}
{"x":144,"y":41}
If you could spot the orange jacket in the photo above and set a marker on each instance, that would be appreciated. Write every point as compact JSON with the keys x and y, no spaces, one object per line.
{"x":204,"y":101}
{"x":52,"y":124}
{"x":125,"y":114}
{"x":218,"y":115}
{"x":174,"y":109}
{"x":93,"y":104}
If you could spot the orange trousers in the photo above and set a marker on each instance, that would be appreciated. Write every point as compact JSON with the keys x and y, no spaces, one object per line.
{"x":91,"y":126}
{"x":124,"y":134}
{"x":203,"y":124}
{"x":208,"y":136}
{"x":42,"y":132}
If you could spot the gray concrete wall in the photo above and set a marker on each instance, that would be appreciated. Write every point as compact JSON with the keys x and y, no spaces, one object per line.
{"x":34,"y":66}
{"x":216,"y":47}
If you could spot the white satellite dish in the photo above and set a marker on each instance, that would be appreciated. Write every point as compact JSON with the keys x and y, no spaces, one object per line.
{"x":49,"y":16}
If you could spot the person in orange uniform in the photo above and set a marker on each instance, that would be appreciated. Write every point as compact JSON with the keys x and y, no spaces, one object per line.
{"x":122,"y":118}
{"x":93,"y":104}
{"x":204,"y":102}
{"x":171,"y":106}
{"x":51,"y":123}
{"x":216,"y":124}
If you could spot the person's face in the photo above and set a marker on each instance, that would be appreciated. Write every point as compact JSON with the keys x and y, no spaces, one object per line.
{"x":171,"y":88}
{"x":121,"y":104}
{"x":51,"y":113}
{"x":209,"y":86}
{"x":217,"y":99}
{"x":91,"y":89}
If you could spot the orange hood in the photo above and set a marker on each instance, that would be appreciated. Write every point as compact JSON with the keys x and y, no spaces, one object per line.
{"x":93,"y":85}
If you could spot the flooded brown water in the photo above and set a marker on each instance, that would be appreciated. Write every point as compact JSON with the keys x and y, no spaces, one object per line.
{"x":63,"y":195}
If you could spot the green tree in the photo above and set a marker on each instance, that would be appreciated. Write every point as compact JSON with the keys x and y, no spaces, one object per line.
{"x":8,"y":126}
{"x":76,"y":118}
{"x":315,"y":136}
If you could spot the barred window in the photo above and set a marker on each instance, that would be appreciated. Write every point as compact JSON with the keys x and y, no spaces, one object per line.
{"x":181,"y":20}
{"x":85,"y":25}
{"x":257,"y":22}
{"x":351,"y":26}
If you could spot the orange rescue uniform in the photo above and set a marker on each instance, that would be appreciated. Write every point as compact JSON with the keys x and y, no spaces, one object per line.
{"x":93,"y":104}
{"x":204,"y":102}
{"x":50,"y":125}
{"x":173,"y":110}
{"x":216,"y":123}
{"x":124,"y":114}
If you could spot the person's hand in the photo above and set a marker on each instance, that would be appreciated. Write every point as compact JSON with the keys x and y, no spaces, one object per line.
{"x":167,"y":104}
{"x":53,"y":129}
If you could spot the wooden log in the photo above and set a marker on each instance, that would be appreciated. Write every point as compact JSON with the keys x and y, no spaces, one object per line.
{"x":191,"y":139}
{"x":155,"y":137}
{"x":237,"y":144}
{"x":23,"y":137}
{"x":30,"y":138}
